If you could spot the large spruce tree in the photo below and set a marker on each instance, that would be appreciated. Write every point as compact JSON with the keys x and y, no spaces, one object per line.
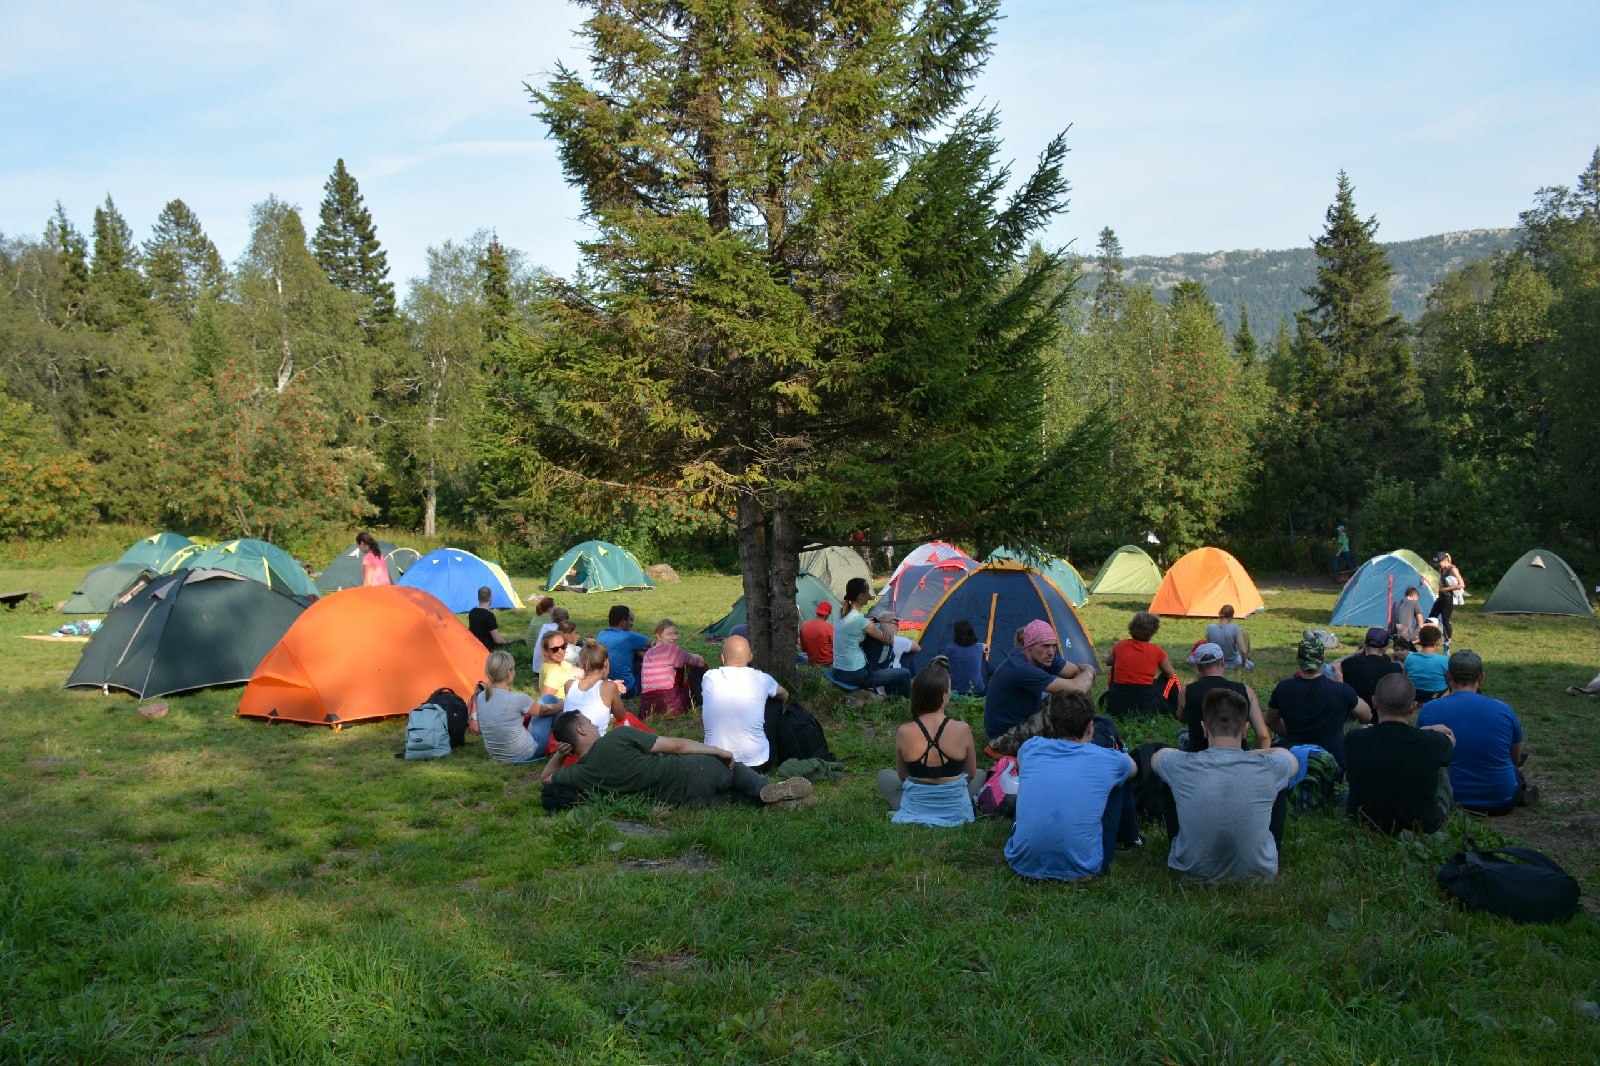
{"x":803,"y":270}
{"x":116,"y":287}
{"x":347,"y":246}
{"x":182,"y":266}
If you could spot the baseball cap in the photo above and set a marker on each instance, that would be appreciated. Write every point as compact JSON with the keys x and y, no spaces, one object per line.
{"x":1205,"y":653}
{"x":1378,"y":637}
{"x":1309,"y":654}
{"x":824,"y":609}
{"x":1465,"y":665}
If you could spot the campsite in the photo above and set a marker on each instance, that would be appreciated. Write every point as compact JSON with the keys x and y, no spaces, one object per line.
{"x":209,"y":888}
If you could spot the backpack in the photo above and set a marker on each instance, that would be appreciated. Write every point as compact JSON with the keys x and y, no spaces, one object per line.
{"x":793,"y":733}
{"x":1149,"y":803}
{"x":999,"y":793}
{"x":1315,"y":791}
{"x":1514,"y":882}
{"x":455,"y":712}
{"x":427,"y":733}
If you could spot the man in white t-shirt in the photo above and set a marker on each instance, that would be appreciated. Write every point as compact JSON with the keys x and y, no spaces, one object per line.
{"x":734,"y":705}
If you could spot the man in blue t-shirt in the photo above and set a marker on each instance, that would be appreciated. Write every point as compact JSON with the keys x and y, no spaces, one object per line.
{"x":1069,"y":796}
{"x":1484,"y":769}
{"x":1030,"y":671}
{"x":1312,"y":708}
{"x":622,"y":645}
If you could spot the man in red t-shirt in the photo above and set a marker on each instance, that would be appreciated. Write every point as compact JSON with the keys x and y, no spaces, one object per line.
{"x":816,"y":636}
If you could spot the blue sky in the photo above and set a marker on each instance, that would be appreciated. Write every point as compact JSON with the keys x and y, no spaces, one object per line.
{"x":1194,"y":126}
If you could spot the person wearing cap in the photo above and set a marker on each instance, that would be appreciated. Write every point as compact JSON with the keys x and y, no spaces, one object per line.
{"x":1399,"y":775}
{"x":1226,"y":634}
{"x":1209,"y":661}
{"x":1342,"y":559}
{"x":816,"y":636}
{"x":1452,"y":594}
{"x":1486,"y":769}
{"x":1363,"y":668}
{"x":851,"y":634}
{"x":1033,"y":669}
{"x":1141,"y":674}
{"x":1312,"y":708}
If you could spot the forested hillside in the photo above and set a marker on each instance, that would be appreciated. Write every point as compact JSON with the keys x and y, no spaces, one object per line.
{"x":1270,"y":285}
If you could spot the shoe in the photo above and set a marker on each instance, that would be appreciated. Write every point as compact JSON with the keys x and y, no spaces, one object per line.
{"x":1136,"y":842}
{"x":1530,"y":795}
{"x":792,"y":788}
{"x":799,"y":804}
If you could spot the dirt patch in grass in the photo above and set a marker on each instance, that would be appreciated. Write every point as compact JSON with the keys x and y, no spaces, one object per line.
{"x":693,"y":860}
{"x":672,"y":962}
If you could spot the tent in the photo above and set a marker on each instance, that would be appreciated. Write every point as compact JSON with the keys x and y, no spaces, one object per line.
{"x":366,"y":653}
{"x":1200,"y":583}
{"x":1540,"y":582}
{"x":935,"y":551}
{"x":834,"y":566}
{"x":597,"y":566}
{"x":186,"y":630}
{"x":156,"y":550}
{"x":1369,"y":596}
{"x":808,"y":592}
{"x":101,"y":587}
{"x":1428,"y":573}
{"x":1128,"y":571}
{"x":344,"y":572}
{"x":999,"y":599}
{"x":454,"y":577}
{"x":916,"y":590}
{"x":184,"y":557}
{"x":258,"y":561}
{"x":1057,"y":569}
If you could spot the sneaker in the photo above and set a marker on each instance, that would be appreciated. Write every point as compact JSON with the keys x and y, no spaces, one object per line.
{"x":799,"y":804}
{"x":792,"y":788}
{"x":1530,"y":795}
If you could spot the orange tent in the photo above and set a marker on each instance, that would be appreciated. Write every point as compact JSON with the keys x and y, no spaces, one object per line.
{"x":1200,"y":583}
{"x":367,"y":653}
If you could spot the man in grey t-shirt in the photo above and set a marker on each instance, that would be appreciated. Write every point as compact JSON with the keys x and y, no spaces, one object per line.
{"x":1224,"y":797}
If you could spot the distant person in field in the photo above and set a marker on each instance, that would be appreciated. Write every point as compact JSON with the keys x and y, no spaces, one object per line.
{"x":1034,"y":669}
{"x":1427,"y":667}
{"x":1367,"y":665}
{"x":1408,"y":618}
{"x":483,"y":623}
{"x":1311,"y":708}
{"x":935,"y":773}
{"x":1591,"y":689}
{"x":816,"y":636}
{"x":1486,"y":768}
{"x":1070,"y":796}
{"x":1343,"y":561}
{"x":668,"y":674}
{"x":1225,"y":818}
{"x":1208,"y":662}
{"x":1400,"y":775}
{"x":967,"y":656}
{"x":624,"y":646}
{"x":733,"y":700}
{"x":1141,"y":674}
{"x":1452,"y":594}
{"x":374,"y":570}
{"x":539,"y":624}
{"x":1226,"y":634}
{"x":674,"y":770}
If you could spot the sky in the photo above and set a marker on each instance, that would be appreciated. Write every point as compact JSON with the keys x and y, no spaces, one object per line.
{"x":1194,"y":127}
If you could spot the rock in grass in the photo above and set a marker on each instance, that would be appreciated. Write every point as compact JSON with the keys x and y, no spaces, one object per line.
{"x":663,"y":573}
{"x":151,"y":711}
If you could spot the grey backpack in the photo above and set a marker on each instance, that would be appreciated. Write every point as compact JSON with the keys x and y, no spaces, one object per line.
{"x":427,"y":732}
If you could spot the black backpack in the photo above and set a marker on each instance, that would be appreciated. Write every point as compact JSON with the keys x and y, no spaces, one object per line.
{"x":1514,"y":882}
{"x":455,"y":712}
{"x":792,"y":733}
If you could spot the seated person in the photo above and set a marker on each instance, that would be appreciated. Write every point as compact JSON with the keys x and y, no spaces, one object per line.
{"x":664,"y":674}
{"x":623,"y":645}
{"x":1425,"y":668}
{"x":1225,"y":815}
{"x":1365,"y":667}
{"x":733,"y":701}
{"x":1141,"y":673}
{"x":539,"y":624}
{"x":969,"y":668}
{"x":483,"y":623}
{"x":1312,"y":708}
{"x":556,"y":675}
{"x":1485,"y":771}
{"x":1069,"y":796}
{"x":594,"y":695}
{"x":515,"y":729}
{"x":816,"y":636}
{"x":935,"y":774}
{"x":1408,"y":616}
{"x":1034,"y":668}
{"x":1399,"y":775}
{"x":1226,"y":634}
{"x":850,"y":634}
{"x":1209,"y":661}
{"x":675,"y":770}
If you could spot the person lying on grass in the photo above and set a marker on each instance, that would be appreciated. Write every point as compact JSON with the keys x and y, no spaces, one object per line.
{"x":673,"y":770}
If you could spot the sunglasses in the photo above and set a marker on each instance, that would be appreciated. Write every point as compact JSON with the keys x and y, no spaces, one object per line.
{"x":549,"y":648}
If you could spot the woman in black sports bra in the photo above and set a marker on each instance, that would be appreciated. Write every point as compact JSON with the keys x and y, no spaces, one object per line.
{"x":935,"y":760}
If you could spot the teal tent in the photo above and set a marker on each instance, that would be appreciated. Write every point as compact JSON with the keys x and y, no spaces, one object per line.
{"x":156,"y":551}
{"x":1057,"y":569}
{"x":101,"y":587}
{"x":186,"y":630}
{"x":596,"y":566}
{"x":1540,"y":582}
{"x":258,"y":561}
{"x":808,"y":592}
{"x":344,"y":572}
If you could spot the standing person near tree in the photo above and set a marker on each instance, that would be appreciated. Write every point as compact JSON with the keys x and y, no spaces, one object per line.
{"x":1452,"y":594}
{"x":1343,"y":561}
{"x":374,"y":570}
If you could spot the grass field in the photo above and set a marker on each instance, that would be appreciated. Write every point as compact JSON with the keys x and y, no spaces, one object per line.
{"x":204,"y":889}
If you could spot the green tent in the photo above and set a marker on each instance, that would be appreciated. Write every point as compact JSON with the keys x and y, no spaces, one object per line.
{"x":1127,"y":572}
{"x":1057,"y":569}
{"x":596,"y":566}
{"x":101,"y":587}
{"x":834,"y":566}
{"x":808,"y":592}
{"x":258,"y":561}
{"x":344,"y":572}
{"x":186,"y":630}
{"x":156,"y":551}
{"x":1540,"y":582}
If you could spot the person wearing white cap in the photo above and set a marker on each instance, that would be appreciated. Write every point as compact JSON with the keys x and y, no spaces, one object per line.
{"x":1209,"y":662}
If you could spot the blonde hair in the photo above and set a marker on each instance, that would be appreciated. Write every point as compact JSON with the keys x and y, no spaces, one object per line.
{"x":498,"y":667}
{"x":664,"y":625}
{"x":593,"y":657}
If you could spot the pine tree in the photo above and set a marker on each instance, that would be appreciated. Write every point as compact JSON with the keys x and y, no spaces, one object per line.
{"x":347,"y":246}
{"x":181,"y":264}
{"x":71,"y":296}
{"x":1110,"y":293}
{"x":1244,"y":342}
{"x":116,"y":286}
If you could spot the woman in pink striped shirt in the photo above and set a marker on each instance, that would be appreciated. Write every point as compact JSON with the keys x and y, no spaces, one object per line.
{"x":664,"y":684}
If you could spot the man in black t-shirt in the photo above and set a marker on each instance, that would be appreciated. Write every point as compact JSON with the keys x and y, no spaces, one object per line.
{"x":1311,"y":708}
{"x":1399,"y":775}
{"x":483,"y":623}
{"x":1364,"y":668}
{"x":1210,"y":662}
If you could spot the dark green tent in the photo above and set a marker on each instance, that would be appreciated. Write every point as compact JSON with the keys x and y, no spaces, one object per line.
{"x":259,"y":561}
{"x":1540,"y":582}
{"x":100,"y":588}
{"x":344,"y":572}
{"x":808,"y":592}
{"x":186,"y":630}
{"x":156,"y":550}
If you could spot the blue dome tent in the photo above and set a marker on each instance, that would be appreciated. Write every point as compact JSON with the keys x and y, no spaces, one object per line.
{"x":1000,"y":598}
{"x":1373,"y":590}
{"x":454,"y":576}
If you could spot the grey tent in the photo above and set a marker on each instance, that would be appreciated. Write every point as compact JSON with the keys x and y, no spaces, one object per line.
{"x":103,"y":585}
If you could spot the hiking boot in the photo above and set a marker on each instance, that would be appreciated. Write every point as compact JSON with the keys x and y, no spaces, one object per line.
{"x":1530,"y":795}
{"x":798,"y":804}
{"x":793,"y":788}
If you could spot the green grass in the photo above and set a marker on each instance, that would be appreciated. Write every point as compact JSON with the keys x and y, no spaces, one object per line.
{"x":204,"y":889}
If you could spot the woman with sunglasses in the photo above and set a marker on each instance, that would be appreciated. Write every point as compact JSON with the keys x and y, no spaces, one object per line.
{"x":935,"y":774}
{"x":555,"y":673}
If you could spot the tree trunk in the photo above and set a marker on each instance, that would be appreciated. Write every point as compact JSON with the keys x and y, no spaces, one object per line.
{"x":430,"y":509}
{"x":783,"y":625}
{"x":755,"y":566}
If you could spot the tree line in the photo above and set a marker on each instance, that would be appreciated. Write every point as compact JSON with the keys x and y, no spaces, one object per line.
{"x":810,"y":306}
